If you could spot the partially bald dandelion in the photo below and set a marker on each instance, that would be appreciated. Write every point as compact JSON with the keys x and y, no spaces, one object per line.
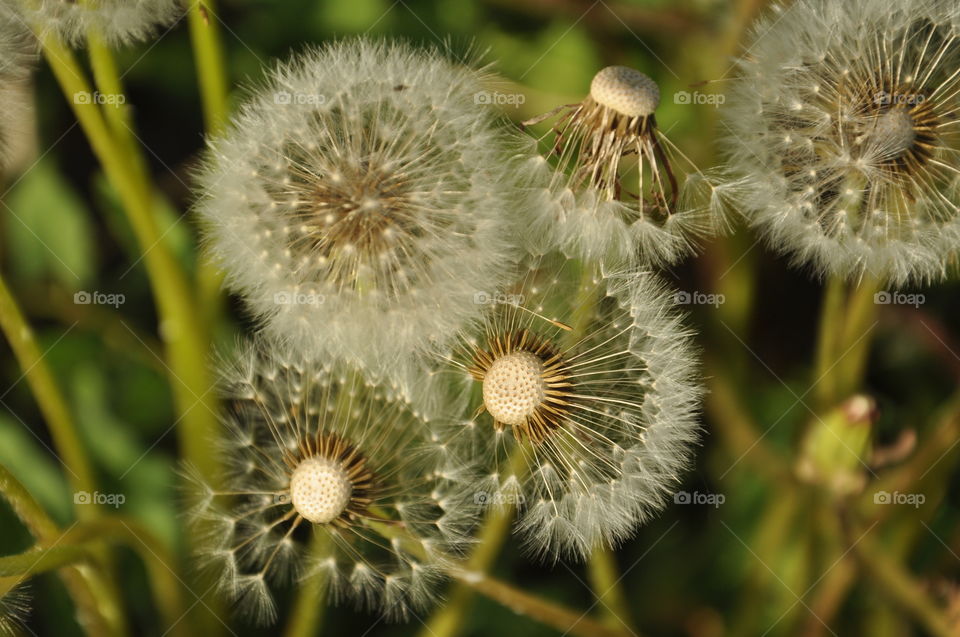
{"x":844,"y":130}
{"x":361,"y":198}
{"x":116,"y":21}
{"x":616,"y":194}
{"x":316,"y":452}
{"x":593,"y":383}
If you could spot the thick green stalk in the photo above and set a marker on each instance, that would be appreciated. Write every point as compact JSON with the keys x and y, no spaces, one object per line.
{"x":604,"y":576}
{"x":307,"y":612}
{"x":857,"y":337}
{"x":831,"y":330}
{"x":180,"y":326}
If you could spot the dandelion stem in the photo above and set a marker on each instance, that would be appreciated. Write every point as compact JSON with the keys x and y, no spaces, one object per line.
{"x":180,"y":327}
{"x":831,"y":320}
{"x":307,"y":611}
{"x":40,"y":560}
{"x":604,"y":576}
{"x":857,"y":333}
{"x":214,"y":94}
{"x":93,"y":598}
{"x":52,"y":404}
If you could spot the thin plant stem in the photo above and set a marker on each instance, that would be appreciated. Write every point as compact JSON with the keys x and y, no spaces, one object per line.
{"x":831,"y":322}
{"x":49,"y":398}
{"x":205,"y":37}
{"x":93,"y":598}
{"x":858,"y":330}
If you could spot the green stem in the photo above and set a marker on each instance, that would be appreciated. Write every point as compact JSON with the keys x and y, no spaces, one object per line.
{"x":831,"y":321}
{"x":41,"y":560}
{"x":180,"y":327}
{"x":604,"y":576}
{"x":212,"y":77}
{"x":307,"y":612}
{"x":49,"y":398}
{"x":857,"y":337}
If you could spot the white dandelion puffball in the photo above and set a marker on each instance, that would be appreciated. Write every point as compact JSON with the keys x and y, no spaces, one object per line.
{"x":361,"y":198}
{"x":619,"y":192}
{"x":593,"y":382}
{"x":116,"y":21}
{"x":320,"y":453}
{"x":844,"y":132}
{"x":17,"y":54}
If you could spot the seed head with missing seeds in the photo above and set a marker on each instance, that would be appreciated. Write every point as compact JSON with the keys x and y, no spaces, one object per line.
{"x":315,"y":451}
{"x":615,"y":195}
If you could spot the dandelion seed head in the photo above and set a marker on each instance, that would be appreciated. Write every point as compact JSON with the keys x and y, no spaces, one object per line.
{"x":844,"y":139}
{"x":625,"y":90}
{"x":17,"y":53}
{"x":334,"y":457}
{"x":117,"y":21}
{"x":366,"y":191}
{"x":592,"y":381}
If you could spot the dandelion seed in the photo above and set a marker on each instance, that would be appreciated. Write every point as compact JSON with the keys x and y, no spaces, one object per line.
{"x":598,"y":395}
{"x":844,"y":133}
{"x":615,"y":195}
{"x":116,"y":21}
{"x":361,"y":198}
{"x":315,"y":451}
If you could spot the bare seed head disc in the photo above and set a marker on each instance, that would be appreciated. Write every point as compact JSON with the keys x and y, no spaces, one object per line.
{"x":320,"y":489}
{"x":894,"y":131}
{"x":514,"y":387}
{"x":625,"y":90}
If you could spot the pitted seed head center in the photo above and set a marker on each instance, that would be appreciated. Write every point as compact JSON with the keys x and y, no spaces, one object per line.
{"x":320,"y":489}
{"x":514,"y":387}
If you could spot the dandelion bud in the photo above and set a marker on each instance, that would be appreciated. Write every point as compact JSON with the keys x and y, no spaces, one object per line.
{"x":116,"y":21}
{"x":318,"y":451}
{"x":844,"y":136}
{"x":584,"y":403}
{"x":361,"y":198}
{"x":833,"y":451}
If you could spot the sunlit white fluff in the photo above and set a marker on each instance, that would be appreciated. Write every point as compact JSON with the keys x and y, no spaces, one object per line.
{"x":360,"y":198}
{"x":399,"y":473}
{"x":843,"y":124}
{"x":116,"y":21}
{"x":593,"y":381}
